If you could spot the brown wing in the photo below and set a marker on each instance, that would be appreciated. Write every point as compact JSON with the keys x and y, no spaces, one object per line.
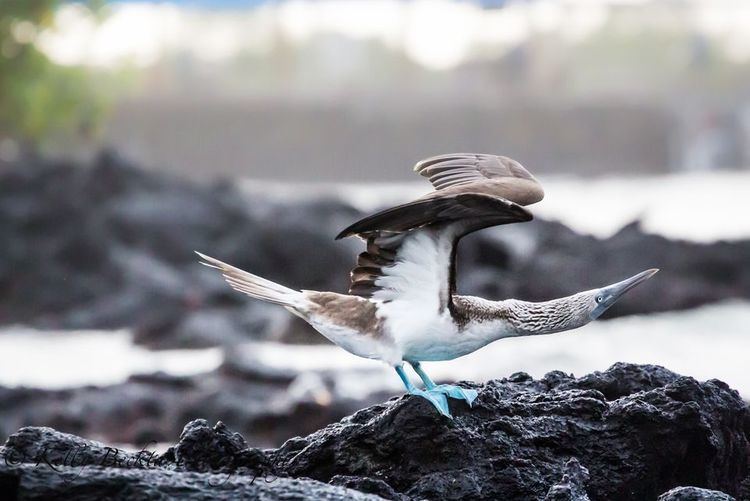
{"x":420,"y":238}
{"x":480,"y":173}
{"x":411,"y":248}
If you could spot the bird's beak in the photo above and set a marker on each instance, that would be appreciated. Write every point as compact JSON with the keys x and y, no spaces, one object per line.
{"x":620,"y":288}
{"x":611,"y":293}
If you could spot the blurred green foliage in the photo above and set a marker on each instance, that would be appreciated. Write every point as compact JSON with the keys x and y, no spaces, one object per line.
{"x":40,"y":100}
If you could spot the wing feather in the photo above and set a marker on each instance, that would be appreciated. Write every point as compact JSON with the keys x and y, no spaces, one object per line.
{"x":473,"y":210}
{"x":490,"y":174}
{"x":410,"y":254}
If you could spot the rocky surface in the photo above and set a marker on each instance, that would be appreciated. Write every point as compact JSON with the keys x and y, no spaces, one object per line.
{"x":572,"y":485}
{"x":33,"y":483}
{"x":111,"y":245}
{"x":694,"y":494}
{"x":631,"y":432}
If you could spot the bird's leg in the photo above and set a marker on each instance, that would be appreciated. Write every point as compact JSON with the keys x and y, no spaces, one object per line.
{"x":450,"y":390}
{"x":436,"y":399}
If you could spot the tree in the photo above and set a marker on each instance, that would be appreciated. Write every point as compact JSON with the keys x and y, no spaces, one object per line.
{"x":39,"y":99}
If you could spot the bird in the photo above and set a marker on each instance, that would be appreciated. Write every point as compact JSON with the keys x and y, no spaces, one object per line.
{"x":402,"y":306}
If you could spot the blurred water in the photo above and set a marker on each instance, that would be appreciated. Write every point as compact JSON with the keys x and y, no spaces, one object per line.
{"x":707,"y":342}
{"x":64,"y":359}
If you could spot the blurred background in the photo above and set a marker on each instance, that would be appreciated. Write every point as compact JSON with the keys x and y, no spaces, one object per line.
{"x":132,"y":133}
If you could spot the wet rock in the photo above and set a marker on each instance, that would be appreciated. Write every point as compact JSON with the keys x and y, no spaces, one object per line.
{"x":368,"y":486}
{"x":34,"y":483}
{"x":618,"y":381}
{"x":555,"y":438}
{"x":692,"y":274}
{"x":206,"y":449}
{"x":206,"y":463}
{"x":694,"y":494}
{"x":515,"y":442}
{"x":265,"y":404}
{"x":572,"y":486}
{"x":110,"y":245}
{"x":46,"y":446}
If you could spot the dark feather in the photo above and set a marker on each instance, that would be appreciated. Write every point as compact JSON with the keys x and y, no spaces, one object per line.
{"x":475,"y":210}
{"x":473,"y":191}
{"x":381,"y":252}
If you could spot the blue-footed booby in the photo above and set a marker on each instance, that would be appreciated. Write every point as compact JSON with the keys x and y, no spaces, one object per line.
{"x":402,"y":305}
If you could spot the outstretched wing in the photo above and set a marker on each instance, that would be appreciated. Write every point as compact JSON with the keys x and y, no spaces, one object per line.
{"x":470,"y":211}
{"x":411,"y":248}
{"x":480,"y":173}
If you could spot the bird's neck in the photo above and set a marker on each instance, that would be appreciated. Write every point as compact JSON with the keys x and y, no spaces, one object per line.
{"x":547,"y":317}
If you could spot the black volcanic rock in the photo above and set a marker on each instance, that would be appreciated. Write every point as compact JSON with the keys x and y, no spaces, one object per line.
{"x":694,"y":494}
{"x":557,"y":438}
{"x":516,"y":441}
{"x":204,"y":448}
{"x":572,"y":485}
{"x":110,"y":245}
{"x":691,"y":274}
{"x":252,"y":398}
{"x":30,"y":482}
{"x":46,"y":446}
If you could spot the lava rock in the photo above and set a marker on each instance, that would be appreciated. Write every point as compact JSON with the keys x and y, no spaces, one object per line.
{"x":369,"y":486}
{"x":265,"y":404}
{"x":694,"y":494}
{"x":572,"y":486}
{"x":556,"y":438}
{"x":34,"y":483}
{"x":207,"y":463}
{"x":110,"y":245}
{"x":692,"y":274}
{"x":206,"y":449}
{"x":515,"y":441}
{"x":46,"y":446}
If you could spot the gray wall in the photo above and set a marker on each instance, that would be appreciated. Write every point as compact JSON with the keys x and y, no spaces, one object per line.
{"x":350,"y":142}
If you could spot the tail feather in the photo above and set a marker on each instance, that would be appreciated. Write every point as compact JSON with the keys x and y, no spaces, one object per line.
{"x":253,"y":285}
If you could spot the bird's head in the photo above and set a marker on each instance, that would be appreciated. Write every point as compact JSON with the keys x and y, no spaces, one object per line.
{"x":599,"y":300}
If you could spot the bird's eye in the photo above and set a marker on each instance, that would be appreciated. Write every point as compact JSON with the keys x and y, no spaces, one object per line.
{"x":599,"y":299}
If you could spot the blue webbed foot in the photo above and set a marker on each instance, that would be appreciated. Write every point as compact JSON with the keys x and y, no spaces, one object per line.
{"x":457,"y":392}
{"x":435,"y":398}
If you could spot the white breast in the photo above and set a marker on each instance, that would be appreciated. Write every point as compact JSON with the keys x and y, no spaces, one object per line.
{"x":413,"y":292}
{"x":425,"y":338}
{"x":420,"y":276}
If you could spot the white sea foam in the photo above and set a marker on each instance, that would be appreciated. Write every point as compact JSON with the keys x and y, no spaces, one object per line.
{"x":708,"y":342}
{"x":60,"y":359}
{"x":698,"y":206}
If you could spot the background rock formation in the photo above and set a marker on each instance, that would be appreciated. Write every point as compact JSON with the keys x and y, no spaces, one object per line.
{"x":110,"y":245}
